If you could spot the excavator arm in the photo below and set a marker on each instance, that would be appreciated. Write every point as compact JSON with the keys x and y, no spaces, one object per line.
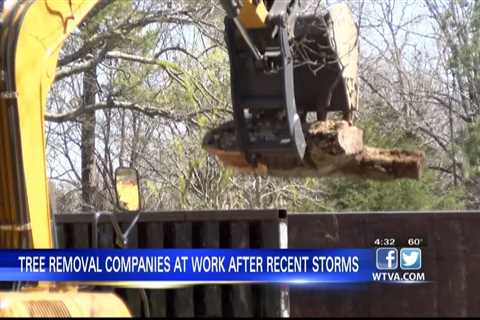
{"x":32,"y":34}
{"x":287,"y":61}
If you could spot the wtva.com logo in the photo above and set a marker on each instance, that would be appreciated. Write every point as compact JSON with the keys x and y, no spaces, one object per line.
{"x":389,"y":259}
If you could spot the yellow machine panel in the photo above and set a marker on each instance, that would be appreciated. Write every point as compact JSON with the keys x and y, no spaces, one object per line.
{"x":61,"y":304}
{"x":32,"y":35}
{"x":37,"y":50}
{"x":253,"y":16}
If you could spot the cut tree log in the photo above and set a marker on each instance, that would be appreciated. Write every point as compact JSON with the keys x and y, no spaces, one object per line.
{"x":334,"y":148}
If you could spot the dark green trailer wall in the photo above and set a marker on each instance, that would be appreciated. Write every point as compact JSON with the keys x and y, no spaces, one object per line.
{"x":201,"y":229}
{"x":451,"y":260}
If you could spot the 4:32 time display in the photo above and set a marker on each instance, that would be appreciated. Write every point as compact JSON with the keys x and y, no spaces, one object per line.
{"x":384,"y":242}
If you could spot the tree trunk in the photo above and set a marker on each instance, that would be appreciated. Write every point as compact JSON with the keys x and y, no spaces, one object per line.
{"x":333,"y":149}
{"x":88,"y":123}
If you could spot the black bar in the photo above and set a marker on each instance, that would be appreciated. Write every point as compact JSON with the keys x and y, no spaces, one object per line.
{"x":179,"y":216}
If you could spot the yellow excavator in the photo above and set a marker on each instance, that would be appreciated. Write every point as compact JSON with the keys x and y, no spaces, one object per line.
{"x":285,"y":63}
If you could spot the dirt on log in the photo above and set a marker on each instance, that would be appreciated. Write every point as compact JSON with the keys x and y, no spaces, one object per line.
{"x":334,"y":148}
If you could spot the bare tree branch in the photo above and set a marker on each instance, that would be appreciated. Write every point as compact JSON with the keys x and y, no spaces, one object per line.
{"x":149,"y":111}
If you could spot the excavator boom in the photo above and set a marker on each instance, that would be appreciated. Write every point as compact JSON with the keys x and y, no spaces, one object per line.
{"x":32,"y":35}
{"x":29,"y":54}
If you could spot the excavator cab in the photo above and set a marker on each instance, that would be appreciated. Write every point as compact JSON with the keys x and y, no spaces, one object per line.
{"x":287,"y":61}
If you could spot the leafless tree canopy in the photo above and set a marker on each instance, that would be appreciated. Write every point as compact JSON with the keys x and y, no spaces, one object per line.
{"x":141,"y":82}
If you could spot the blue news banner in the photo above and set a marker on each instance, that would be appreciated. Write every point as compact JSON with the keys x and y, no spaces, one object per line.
{"x":190,"y":265}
